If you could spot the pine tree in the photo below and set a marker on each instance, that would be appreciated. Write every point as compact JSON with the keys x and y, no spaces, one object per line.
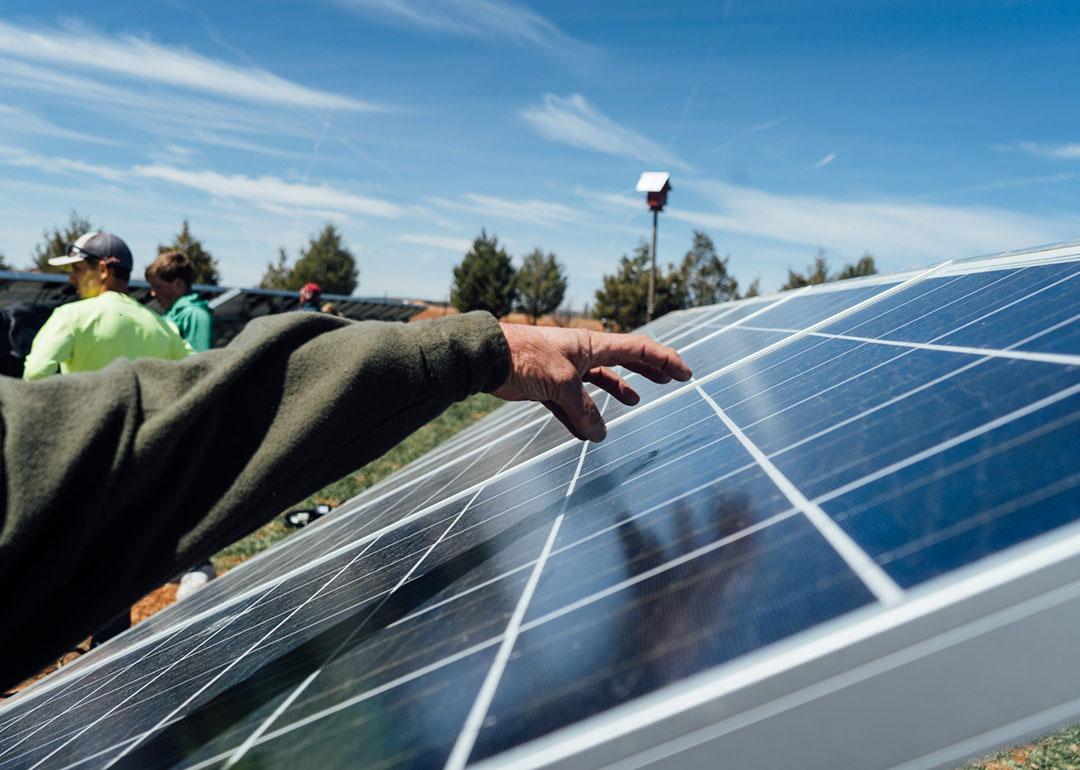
{"x":704,"y":275}
{"x":485,"y":279}
{"x":818,"y":272}
{"x":754,"y":290}
{"x":865,"y":266}
{"x":541,"y":285}
{"x":277,"y":275}
{"x":326,"y":262}
{"x":623,"y":299}
{"x":202,"y":261}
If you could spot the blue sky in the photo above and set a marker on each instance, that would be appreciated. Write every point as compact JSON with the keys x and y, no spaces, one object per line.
{"x":917,"y":131}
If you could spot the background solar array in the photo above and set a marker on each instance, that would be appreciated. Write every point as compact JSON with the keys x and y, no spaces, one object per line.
{"x":841,"y":449}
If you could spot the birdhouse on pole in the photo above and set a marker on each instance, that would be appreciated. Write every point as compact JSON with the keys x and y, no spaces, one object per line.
{"x":656,"y":185}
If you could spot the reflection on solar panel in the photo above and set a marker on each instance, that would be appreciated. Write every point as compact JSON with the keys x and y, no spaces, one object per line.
{"x":851,"y":541}
{"x":232,"y":307}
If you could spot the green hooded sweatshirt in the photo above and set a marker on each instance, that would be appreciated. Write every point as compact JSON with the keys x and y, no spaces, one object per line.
{"x":195,"y":320}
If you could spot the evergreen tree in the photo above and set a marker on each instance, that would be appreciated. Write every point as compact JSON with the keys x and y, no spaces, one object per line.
{"x":326,"y":262}
{"x":55,"y":242}
{"x":623,"y":300}
{"x":4,"y":264}
{"x":818,"y":272}
{"x":704,"y":275}
{"x":485,"y":279}
{"x":865,"y":266}
{"x":277,"y":275}
{"x":754,"y":289}
{"x":202,"y":261}
{"x":541,"y":285}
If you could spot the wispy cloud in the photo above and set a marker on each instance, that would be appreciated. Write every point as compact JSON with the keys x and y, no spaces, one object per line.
{"x":24,"y":121}
{"x":756,"y":128}
{"x":572,"y":120}
{"x":15,"y":156}
{"x":825,"y":160}
{"x":75,"y":47}
{"x":140,"y":106}
{"x":268,"y":193}
{"x":900,"y":230}
{"x":1068,"y":151}
{"x":459,"y":245}
{"x":492,"y":207}
{"x":473,"y":18}
{"x":269,"y":190}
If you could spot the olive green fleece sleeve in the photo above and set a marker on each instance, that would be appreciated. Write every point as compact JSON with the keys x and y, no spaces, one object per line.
{"x":116,"y":480}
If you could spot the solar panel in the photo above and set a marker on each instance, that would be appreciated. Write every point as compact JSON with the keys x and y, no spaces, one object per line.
{"x":850,"y":541}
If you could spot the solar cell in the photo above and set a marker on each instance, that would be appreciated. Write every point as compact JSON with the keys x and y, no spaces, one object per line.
{"x":831,"y":548}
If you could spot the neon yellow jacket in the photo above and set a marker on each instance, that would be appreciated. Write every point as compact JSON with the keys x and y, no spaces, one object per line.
{"x":87,"y":335}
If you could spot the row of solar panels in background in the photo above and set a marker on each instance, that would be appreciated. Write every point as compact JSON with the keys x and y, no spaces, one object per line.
{"x":233,"y":307}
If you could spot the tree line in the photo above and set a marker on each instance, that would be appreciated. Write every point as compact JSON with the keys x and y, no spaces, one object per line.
{"x":486,"y":278}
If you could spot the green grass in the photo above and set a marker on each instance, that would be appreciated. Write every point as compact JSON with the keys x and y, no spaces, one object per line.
{"x":454,"y":419}
{"x":1059,"y":751}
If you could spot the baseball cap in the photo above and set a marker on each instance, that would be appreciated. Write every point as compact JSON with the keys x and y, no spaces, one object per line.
{"x":97,"y":245}
{"x":309,"y":290}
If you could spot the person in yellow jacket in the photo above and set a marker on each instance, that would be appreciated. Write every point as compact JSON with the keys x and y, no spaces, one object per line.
{"x":106,"y":323}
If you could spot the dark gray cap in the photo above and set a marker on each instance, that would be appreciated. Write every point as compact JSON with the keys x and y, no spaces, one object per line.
{"x":104,"y":246}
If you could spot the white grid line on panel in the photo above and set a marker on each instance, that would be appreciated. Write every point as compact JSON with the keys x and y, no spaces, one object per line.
{"x":428,"y":501}
{"x":660,"y":569}
{"x":556,"y":449}
{"x":980,"y":578}
{"x":82,"y":700}
{"x":757,"y":373}
{"x":967,"y":435}
{"x":1022,"y":355}
{"x":876,"y":579}
{"x":94,"y":723}
{"x":347,"y":703}
{"x":237,"y":755}
{"x":187,"y":701}
{"x":253,"y":739}
{"x":902,"y":396}
{"x":477,"y":488}
{"x":466,"y":739}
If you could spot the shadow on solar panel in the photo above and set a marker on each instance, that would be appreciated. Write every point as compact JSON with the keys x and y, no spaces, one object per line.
{"x":834,"y":548}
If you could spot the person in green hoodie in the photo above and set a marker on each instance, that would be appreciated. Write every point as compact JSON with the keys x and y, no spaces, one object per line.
{"x":170,"y":277}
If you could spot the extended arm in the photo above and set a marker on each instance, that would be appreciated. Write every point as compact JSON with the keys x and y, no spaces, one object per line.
{"x":115,"y":480}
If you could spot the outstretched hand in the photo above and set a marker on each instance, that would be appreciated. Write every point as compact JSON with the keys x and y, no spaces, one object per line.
{"x":552,"y":365}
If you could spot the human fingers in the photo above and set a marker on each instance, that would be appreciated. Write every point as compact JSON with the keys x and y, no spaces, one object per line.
{"x":636,"y":350}
{"x":560,"y":415}
{"x":579,"y":408}
{"x":609,"y":381}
